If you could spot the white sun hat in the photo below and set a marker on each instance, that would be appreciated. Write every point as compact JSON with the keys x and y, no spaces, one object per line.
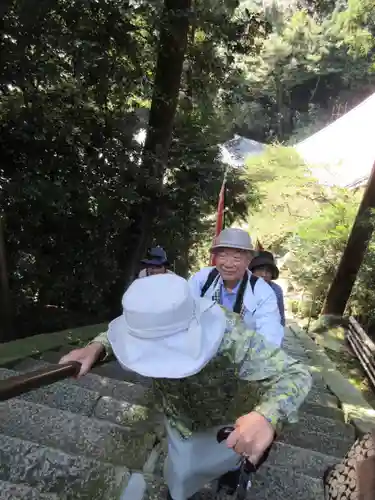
{"x":233,"y":237}
{"x":164,"y":332}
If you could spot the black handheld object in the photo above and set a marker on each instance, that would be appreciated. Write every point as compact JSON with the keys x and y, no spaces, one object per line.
{"x":247,"y":468}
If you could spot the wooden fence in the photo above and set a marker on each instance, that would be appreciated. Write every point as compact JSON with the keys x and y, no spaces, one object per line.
{"x":363,"y":347}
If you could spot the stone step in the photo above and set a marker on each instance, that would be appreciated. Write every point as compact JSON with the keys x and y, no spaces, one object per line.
{"x":322,"y":397}
{"x":61,"y":395}
{"x":72,"y":395}
{"x":110,"y":369}
{"x":131,"y":391}
{"x":321,"y":442}
{"x":10,"y":491}
{"x":269,"y":483}
{"x":66,"y":396}
{"x":58,"y":473}
{"x":322,"y":411}
{"x":84,"y":396}
{"x":322,"y":425}
{"x":73,"y":398}
{"x":280,"y":483}
{"x":75,"y":433}
{"x":298,"y":460}
{"x":296,"y":352}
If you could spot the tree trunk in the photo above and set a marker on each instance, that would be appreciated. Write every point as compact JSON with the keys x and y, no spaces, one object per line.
{"x":171,"y":53}
{"x":5,"y":310}
{"x":352,"y":257}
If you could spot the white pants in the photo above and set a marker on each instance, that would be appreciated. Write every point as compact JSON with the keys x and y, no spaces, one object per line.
{"x":192,"y":463}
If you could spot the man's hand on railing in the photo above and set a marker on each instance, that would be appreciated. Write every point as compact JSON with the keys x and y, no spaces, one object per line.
{"x":87,"y":356}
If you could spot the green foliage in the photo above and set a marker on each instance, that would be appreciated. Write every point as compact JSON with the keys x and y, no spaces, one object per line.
{"x":75,"y":89}
{"x":316,"y":249}
{"x":318,"y":243}
{"x":289,"y":194}
{"x":305,"y":62}
{"x":362,"y":301}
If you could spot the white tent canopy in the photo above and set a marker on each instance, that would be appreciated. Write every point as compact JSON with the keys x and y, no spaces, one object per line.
{"x":343,"y":153}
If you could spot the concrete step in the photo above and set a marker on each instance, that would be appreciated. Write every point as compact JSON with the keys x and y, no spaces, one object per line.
{"x":10,"y":491}
{"x":56,"y":473}
{"x":75,"y":433}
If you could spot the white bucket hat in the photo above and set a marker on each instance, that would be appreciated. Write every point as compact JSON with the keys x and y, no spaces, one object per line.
{"x":164,"y":332}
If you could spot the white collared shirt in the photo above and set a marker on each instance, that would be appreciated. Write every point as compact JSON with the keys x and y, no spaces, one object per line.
{"x":261,"y":309}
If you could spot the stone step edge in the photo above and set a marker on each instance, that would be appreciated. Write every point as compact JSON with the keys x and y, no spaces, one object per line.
{"x":283,"y":446}
{"x":27,"y":489}
{"x":52,"y":449}
{"x":119,"y":401}
{"x":356,"y":409}
{"x":70,"y":414}
{"x":141,"y":481}
{"x":93,"y":415}
{"x":106,"y":381}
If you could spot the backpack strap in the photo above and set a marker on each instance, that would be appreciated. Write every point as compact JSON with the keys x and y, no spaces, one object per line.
{"x":241,"y":292}
{"x":210,"y":279}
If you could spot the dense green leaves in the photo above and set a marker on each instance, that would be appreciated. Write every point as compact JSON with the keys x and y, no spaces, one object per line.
{"x":305,"y":63}
{"x":289,"y":194}
{"x":75,"y":89}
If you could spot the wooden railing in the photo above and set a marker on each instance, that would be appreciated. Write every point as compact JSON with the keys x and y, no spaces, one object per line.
{"x":363,"y":347}
{"x":14,"y":386}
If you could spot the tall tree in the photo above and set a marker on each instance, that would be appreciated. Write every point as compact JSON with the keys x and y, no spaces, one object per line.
{"x":172,"y":47}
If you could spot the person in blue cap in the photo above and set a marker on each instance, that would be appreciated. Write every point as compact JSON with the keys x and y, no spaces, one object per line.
{"x":156,"y":262}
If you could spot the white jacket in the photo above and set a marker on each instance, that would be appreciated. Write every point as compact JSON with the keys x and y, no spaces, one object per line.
{"x":261,"y":309}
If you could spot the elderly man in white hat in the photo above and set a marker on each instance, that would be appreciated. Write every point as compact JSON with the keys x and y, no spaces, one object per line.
{"x":208,"y":370}
{"x":232,"y":285}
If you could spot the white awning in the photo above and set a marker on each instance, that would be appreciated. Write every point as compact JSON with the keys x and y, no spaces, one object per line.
{"x":343,"y":153}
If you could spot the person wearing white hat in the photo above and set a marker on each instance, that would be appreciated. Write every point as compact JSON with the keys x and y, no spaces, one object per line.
{"x":231,"y":284}
{"x":208,"y":370}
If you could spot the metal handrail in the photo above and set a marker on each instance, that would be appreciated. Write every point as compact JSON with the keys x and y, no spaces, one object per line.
{"x":15,"y":386}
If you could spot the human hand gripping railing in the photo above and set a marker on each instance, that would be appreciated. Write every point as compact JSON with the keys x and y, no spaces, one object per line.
{"x":246,"y":470}
{"x":26,"y":382}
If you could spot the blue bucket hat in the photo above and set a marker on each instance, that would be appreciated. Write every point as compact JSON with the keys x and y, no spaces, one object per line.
{"x":156,"y":257}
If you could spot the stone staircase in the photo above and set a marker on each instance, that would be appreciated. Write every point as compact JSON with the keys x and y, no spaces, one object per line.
{"x":82,"y":439}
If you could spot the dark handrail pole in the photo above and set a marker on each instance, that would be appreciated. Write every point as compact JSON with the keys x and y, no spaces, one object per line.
{"x":14,"y":386}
